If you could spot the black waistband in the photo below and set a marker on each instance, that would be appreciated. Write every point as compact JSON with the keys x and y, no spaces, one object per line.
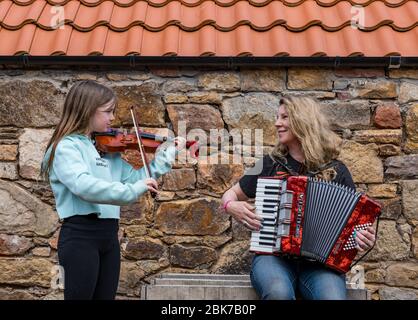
{"x":86,"y":217}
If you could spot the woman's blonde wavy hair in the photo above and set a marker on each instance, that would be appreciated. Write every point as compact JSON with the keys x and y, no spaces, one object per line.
{"x":308,"y":123}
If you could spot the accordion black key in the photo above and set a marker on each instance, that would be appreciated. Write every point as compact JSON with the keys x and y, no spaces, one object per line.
{"x":311,"y":218}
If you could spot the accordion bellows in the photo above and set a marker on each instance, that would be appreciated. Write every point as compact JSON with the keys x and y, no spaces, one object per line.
{"x":311,"y":218}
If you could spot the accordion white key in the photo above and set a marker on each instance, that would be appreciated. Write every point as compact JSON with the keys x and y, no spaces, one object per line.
{"x":311,"y":218}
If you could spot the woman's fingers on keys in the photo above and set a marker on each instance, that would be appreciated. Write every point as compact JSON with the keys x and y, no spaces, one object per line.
{"x":254,"y":224}
{"x":252,"y":215}
{"x":249,"y":206}
{"x":252,"y":220}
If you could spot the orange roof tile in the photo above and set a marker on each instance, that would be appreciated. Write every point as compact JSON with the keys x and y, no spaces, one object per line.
{"x":208,"y":27}
{"x":49,"y":18}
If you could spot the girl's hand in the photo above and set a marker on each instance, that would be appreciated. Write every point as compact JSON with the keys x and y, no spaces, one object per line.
{"x":152,"y":185}
{"x":180,"y":143}
{"x":243,"y":212}
{"x":365,"y":239}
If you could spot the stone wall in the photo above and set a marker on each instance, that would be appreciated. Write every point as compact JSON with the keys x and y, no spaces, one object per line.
{"x":374,"y":110}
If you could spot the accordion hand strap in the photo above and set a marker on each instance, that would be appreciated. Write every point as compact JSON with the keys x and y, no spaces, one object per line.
{"x":367,"y":252}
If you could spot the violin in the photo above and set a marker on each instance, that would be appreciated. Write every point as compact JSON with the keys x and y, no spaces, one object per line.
{"x":119,"y":141}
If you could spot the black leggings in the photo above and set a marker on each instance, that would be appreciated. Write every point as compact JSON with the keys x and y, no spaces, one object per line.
{"x":89,"y":252}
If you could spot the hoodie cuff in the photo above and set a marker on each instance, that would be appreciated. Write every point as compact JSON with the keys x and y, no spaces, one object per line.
{"x":140,"y":187}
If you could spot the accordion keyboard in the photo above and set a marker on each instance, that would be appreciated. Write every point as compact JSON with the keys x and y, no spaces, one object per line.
{"x":276,"y":216}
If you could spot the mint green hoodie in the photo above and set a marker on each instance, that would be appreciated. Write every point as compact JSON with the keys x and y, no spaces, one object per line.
{"x":83,"y":182}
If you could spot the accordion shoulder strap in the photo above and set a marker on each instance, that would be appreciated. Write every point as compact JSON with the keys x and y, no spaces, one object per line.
{"x":282,"y":162}
{"x":331,"y":164}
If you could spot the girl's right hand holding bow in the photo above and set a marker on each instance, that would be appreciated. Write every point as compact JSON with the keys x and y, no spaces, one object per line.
{"x":152,"y":185}
{"x":180,"y":143}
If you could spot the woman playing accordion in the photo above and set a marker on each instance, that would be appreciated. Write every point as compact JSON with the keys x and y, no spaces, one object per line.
{"x":306,"y":146}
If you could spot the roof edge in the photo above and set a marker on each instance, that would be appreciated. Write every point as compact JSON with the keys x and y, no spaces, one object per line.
{"x":27,"y":61}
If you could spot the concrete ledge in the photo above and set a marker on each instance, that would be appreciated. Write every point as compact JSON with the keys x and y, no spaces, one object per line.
{"x":186,"y":286}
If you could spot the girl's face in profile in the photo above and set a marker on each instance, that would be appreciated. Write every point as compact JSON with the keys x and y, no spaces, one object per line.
{"x":102,"y":118}
{"x":284,"y":132}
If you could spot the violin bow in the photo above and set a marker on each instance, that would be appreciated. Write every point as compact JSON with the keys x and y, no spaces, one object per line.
{"x":141,"y":149}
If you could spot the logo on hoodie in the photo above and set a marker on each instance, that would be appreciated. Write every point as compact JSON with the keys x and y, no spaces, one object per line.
{"x":100,"y":162}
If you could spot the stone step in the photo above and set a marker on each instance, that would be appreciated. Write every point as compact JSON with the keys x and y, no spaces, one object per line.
{"x":201,"y":282}
{"x":185,"y":279}
{"x":204,"y":276}
{"x":199,"y":292}
{"x":174,"y":286}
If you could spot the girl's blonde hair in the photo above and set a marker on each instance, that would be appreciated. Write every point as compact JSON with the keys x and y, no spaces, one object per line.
{"x":319,"y":143}
{"x":80,"y":104}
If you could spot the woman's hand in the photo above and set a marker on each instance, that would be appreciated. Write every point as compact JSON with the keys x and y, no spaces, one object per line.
{"x":243,"y":212}
{"x":152,"y":185}
{"x":365,"y":239}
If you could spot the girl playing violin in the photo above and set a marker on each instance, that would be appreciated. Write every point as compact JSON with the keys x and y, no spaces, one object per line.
{"x":88,"y":190}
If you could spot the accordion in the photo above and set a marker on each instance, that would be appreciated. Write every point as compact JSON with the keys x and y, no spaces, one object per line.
{"x":311,"y":218}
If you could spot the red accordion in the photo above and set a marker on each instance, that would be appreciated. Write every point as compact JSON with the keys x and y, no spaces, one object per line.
{"x":311,"y":218}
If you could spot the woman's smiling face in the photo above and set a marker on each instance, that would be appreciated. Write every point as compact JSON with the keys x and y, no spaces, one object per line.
{"x":284,"y":132}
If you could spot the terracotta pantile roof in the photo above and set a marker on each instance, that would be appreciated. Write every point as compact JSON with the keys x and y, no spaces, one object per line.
{"x":209,"y":28}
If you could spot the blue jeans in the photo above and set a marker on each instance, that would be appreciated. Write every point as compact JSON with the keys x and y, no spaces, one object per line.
{"x":279,"y":278}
